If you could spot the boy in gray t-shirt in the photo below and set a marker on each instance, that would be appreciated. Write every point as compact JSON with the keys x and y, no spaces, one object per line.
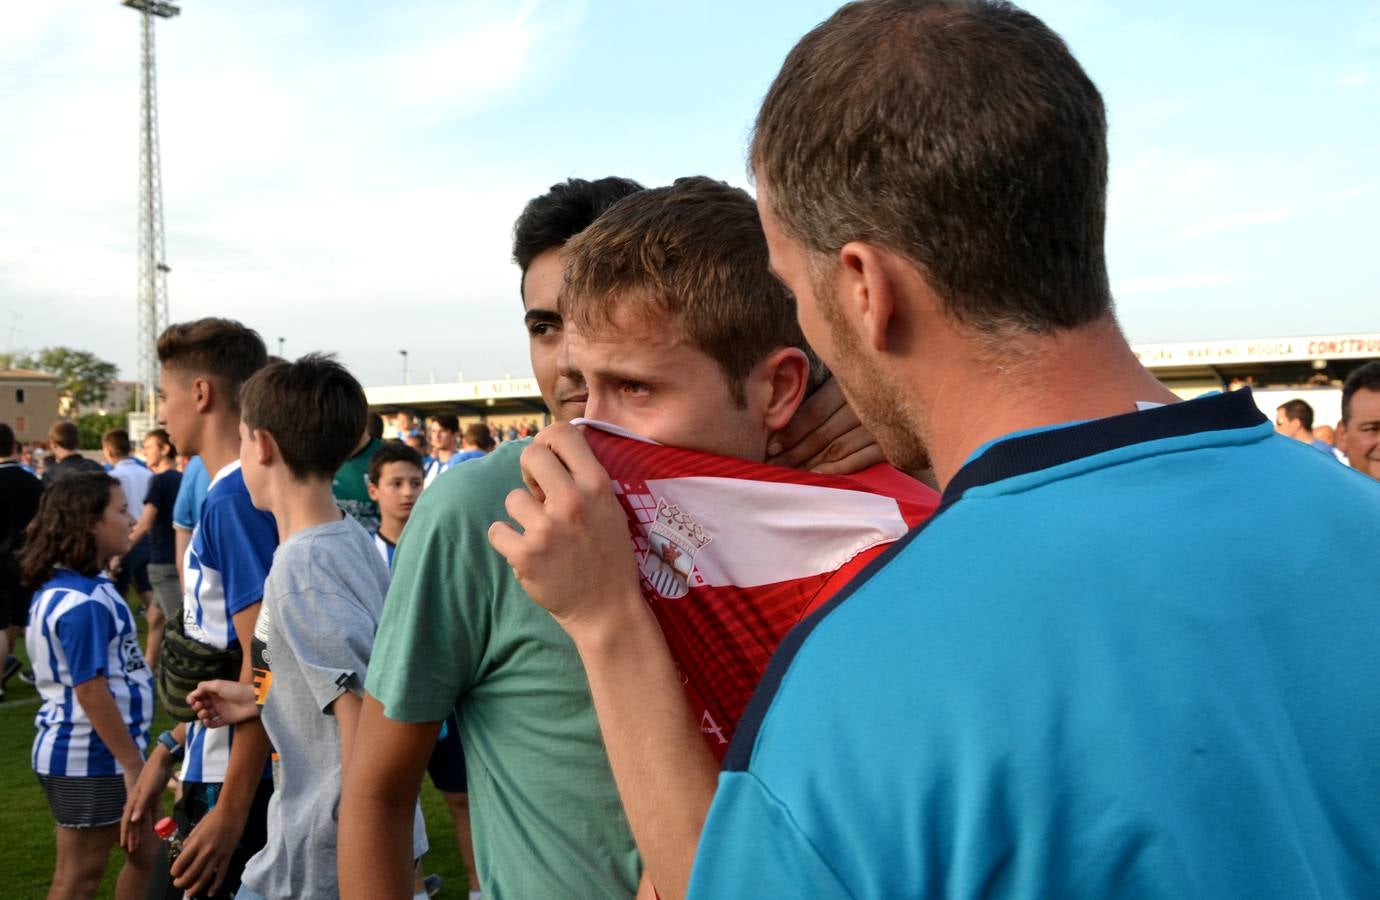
{"x":322,"y":602}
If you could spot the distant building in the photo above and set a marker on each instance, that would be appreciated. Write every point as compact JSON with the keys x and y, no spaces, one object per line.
{"x":28,"y":402}
{"x":119,"y":395}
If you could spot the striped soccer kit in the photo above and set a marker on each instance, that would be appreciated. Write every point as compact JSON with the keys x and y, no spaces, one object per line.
{"x":80,"y":629}
{"x":224,"y":571}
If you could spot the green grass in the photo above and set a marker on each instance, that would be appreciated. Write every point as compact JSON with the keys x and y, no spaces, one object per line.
{"x":26,"y":853}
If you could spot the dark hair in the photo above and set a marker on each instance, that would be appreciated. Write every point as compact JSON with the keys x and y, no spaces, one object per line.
{"x":163,"y":440}
{"x":562,"y":212}
{"x":222,"y":349}
{"x":314,"y":408}
{"x":60,"y":533}
{"x":116,"y":440}
{"x":961,"y":134}
{"x":1298,"y":411}
{"x":65,"y":434}
{"x":6,"y":440}
{"x":1365,"y":378}
{"x":374,"y":426}
{"x":391,"y":452}
{"x":478,"y":433}
{"x":694,"y":254}
{"x":447,"y":421}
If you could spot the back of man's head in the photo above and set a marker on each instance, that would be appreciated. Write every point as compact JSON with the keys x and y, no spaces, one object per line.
{"x":1298,"y":411}
{"x":314,"y":409}
{"x":1364,"y":378}
{"x":567,"y":209}
{"x":7,"y":445}
{"x":960,"y":134}
{"x":693,"y":256}
{"x":116,"y":443}
{"x":222,"y":350}
{"x":65,"y":434}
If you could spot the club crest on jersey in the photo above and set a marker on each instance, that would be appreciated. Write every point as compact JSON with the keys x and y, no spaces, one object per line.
{"x":674,"y":540}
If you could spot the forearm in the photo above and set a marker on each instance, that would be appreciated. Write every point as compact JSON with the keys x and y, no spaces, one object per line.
{"x":378,"y":802}
{"x":96,"y":700}
{"x":245,"y":770}
{"x":664,"y":771}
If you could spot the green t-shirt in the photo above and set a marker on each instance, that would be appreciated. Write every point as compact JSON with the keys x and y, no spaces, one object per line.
{"x":351,"y":487}
{"x":458,"y":629}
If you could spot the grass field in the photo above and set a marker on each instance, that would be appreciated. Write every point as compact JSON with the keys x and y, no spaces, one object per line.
{"x":26,"y":852}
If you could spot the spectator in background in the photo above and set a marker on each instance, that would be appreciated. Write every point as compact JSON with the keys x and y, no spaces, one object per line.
{"x":25,"y":454}
{"x":134,"y":477}
{"x":442,"y":432}
{"x":1295,"y":420}
{"x":65,"y":440}
{"x":1325,"y":434}
{"x":156,"y":522}
{"x":477,"y":441}
{"x":20,"y":491}
{"x":1358,"y":436}
{"x":418,"y":443}
{"x":350,"y":487}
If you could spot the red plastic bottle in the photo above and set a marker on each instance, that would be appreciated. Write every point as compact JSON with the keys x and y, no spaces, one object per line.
{"x":166,"y":829}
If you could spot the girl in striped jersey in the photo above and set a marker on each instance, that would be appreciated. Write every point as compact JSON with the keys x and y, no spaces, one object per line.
{"x":96,"y":689}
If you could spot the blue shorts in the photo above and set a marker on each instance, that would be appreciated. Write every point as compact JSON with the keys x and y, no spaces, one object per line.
{"x":447,"y":763}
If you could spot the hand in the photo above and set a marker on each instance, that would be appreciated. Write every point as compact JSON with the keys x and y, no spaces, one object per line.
{"x":574,"y":555}
{"x":200,"y":867}
{"x":220,"y":702}
{"x":825,"y":436}
{"x":144,"y":797}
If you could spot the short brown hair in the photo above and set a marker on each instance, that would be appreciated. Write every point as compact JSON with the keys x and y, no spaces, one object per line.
{"x":314,"y":408}
{"x":391,"y":452}
{"x":222,"y":349}
{"x":65,"y":434}
{"x":694,"y":252}
{"x":478,"y":433}
{"x":116,"y":440}
{"x":961,"y":134}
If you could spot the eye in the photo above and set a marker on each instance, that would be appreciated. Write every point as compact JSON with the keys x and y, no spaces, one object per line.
{"x":542,"y":329}
{"x":635,"y":388}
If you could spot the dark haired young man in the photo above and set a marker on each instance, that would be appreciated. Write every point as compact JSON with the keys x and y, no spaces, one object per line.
{"x":442,"y":433}
{"x":21,"y":491}
{"x":1358,"y":435}
{"x":224,"y":771}
{"x":1294,"y":419}
{"x":459,"y":630}
{"x":1072,"y":713}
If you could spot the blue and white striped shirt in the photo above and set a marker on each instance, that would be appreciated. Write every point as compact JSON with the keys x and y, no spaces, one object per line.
{"x":385,"y":547}
{"x":80,"y":629}
{"x":224,"y":570}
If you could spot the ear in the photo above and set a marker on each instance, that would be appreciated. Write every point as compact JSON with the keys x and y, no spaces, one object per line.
{"x":265,"y":447}
{"x":203,"y":394}
{"x":782,"y":379}
{"x":865,"y":284}
{"x":372,"y":490}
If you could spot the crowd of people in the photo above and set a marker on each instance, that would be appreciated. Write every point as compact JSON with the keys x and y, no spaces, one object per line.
{"x":856,"y":562}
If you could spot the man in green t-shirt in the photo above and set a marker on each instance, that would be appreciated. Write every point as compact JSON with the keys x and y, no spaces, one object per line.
{"x":458,"y":630}
{"x":350,"y":487}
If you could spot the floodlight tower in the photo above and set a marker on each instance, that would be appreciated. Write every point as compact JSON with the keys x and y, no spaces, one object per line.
{"x":153,"y":269}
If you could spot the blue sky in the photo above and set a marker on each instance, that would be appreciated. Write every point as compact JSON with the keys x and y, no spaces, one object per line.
{"x":345,"y":175}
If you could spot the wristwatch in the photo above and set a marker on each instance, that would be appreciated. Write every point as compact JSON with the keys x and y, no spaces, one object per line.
{"x":174,"y":748}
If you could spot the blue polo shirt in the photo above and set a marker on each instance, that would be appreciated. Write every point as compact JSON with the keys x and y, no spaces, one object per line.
{"x":1106,"y":667}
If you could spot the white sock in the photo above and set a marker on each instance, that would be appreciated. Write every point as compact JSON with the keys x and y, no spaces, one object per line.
{"x":420,"y":895}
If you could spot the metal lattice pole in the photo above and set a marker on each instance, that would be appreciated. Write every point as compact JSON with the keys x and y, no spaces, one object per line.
{"x":153,"y":268}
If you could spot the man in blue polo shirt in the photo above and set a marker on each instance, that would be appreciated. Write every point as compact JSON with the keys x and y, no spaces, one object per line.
{"x":1077,"y":679}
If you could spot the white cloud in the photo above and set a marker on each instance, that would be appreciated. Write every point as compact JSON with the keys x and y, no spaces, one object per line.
{"x":1168,"y":283}
{"x":1356,"y":80}
{"x":1229,"y":222}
